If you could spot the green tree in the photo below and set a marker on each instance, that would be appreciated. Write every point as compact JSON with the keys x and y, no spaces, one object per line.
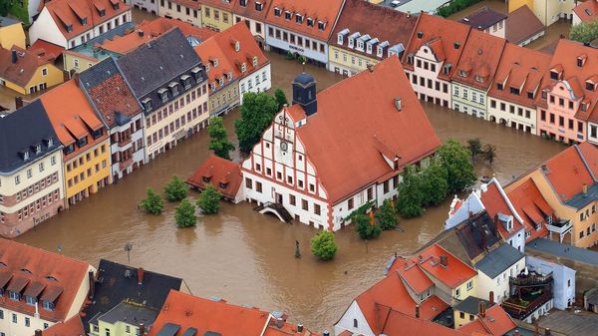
{"x":584,"y":32}
{"x":489,"y":153}
{"x":176,"y":190}
{"x":434,"y":184}
{"x":4,"y":7}
{"x":257,"y":112}
{"x":366,"y":228}
{"x":411,"y":198}
{"x":455,"y":158}
{"x":281,"y":98}
{"x":209,"y":200}
{"x":387,"y":216}
{"x":184,"y":215}
{"x":475,"y":147}
{"x":219,"y":142}
{"x":323,"y":245}
{"x":153,"y":203}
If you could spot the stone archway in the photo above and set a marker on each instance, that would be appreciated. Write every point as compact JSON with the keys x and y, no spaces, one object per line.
{"x":492,"y":119}
{"x":503,"y":122}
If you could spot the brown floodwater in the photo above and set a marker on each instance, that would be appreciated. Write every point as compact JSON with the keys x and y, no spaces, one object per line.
{"x":248,"y":258}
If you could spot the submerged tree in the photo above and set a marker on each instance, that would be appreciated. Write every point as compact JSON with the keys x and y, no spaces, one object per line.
{"x":153,"y":203}
{"x":257,"y":113}
{"x":323,"y":245}
{"x":387,"y":216}
{"x":455,"y":158}
{"x":209,"y":200}
{"x":176,"y":190}
{"x":184,"y":215}
{"x":219,"y":142}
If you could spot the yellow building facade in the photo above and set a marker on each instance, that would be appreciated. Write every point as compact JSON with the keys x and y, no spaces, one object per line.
{"x":12,"y":34}
{"x":21,"y":77}
{"x":215,"y":18}
{"x":547,"y":11}
{"x":347,"y":63}
{"x":77,"y":62}
{"x":87,"y":172}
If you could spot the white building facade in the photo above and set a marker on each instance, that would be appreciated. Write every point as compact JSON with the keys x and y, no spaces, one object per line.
{"x":173,"y":9}
{"x":259,"y":80}
{"x":425,"y":79}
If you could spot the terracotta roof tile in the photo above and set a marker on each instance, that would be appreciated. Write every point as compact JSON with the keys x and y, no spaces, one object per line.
{"x":479,"y":60}
{"x":250,"y":10}
{"x":496,"y":323}
{"x":47,"y":47}
{"x":522,"y":24}
{"x":341,"y":116}
{"x":35,"y":267}
{"x":532,"y":207}
{"x":222,"y":4}
{"x":496,"y":204}
{"x":444,"y":34}
{"x":567,"y":172}
{"x":27,"y":63}
{"x":71,"y":327}
{"x":325,"y":11}
{"x":412,"y":275}
{"x":587,"y":11}
{"x":403,"y":324}
{"x":453,"y":275}
{"x":223,"y":174}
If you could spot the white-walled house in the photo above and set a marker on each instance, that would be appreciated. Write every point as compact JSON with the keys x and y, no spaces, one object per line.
{"x":495,"y":269}
{"x":563,"y":288}
{"x":69,"y":23}
{"x":302,"y":168}
{"x":259,"y":80}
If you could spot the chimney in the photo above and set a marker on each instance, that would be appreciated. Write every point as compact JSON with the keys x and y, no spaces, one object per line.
{"x":326,"y":333}
{"x":300,"y":327}
{"x":140,"y":274}
{"x":408,"y":13}
{"x":417,"y":311}
{"x":585,"y":188}
{"x":38,"y":332}
{"x":140,"y":33}
{"x":279,"y":323}
{"x":482,"y":309}
{"x":516,"y":333}
{"x":14,"y":56}
{"x":398,"y":104}
{"x":18,"y":102}
{"x":491,"y":298}
{"x":444,"y":260}
{"x":92,"y":284}
{"x":141,"y":329}
{"x":547,"y":332}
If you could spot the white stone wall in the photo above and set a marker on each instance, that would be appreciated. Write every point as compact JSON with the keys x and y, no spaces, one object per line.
{"x":499,"y":284}
{"x":353,"y":321}
{"x":513,"y":115}
{"x":258,"y":81}
{"x":424,"y":78}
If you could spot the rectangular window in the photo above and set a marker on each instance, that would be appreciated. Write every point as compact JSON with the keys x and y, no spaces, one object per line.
{"x":258,"y":187}
{"x":317,"y":209}
{"x":304,"y":205}
{"x":292,"y":199}
{"x":350,"y":203}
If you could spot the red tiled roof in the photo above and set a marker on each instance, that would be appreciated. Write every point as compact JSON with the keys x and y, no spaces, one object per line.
{"x":208,"y":315}
{"x":69,"y":12}
{"x":587,"y":11}
{"x":590,"y":154}
{"x":250,"y":11}
{"x":532,"y":207}
{"x":149,"y":30}
{"x":441,"y":34}
{"x":47,"y":48}
{"x":496,"y":323}
{"x":403,"y":324}
{"x":71,"y":327}
{"x":30,"y":265}
{"x":495,"y":203}
{"x":390,"y":294}
{"x":520,"y":68}
{"x":479,"y":60}
{"x":28,"y":61}
{"x":383,"y":23}
{"x":221,"y":47}
{"x":114,"y":96}
{"x":219,"y":172}
{"x":287,"y":329}
{"x":72,"y":118}
{"x":412,"y":275}
{"x":325,"y":11}
{"x":360,"y":120}
{"x":453,"y":275}
{"x":567,"y":172}
{"x":522,"y":24}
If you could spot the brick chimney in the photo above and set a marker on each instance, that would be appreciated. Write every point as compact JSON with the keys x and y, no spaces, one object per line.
{"x":444,"y":260}
{"x":491,"y":298}
{"x":92,"y":284}
{"x":140,"y":274}
{"x":547,"y":332}
{"x":416,"y":311}
{"x":482,"y":309}
{"x":38,"y":332}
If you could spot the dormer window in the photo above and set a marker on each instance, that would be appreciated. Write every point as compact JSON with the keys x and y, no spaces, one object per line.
{"x":196,"y":74}
{"x":351,"y":42}
{"x":38,"y":148}
{"x":243,"y":3}
{"x":288,"y":15}
{"x":555,"y":74}
{"x":499,"y":86}
{"x":299,"y":18}
{"x":530,"y":95}
{"x":82,"y":142}
{"x":163,"y":93}
{"x":102,"y":12}
{"x":259,"y":6}
{"x":83,"y":21}
{"x":147,"y":104}
{"x":174,"y":89}
{"x":223,"y":185}
{"x":321,"y":25}
{"x":243,"y":68}
{"x":229,"y":76}
{"x":462,"y":73}
{"x":215,"y":62}
{"x":237,"y":46}
{"x":25,"y":155}
{"x":479,"y":79}
{"x":97,"y":133}
{"x":380,"y":51}
{"x":584,"y":107}
{"x":410,"y":58}
{"x":47,"y":305}
{"x":515,"y":91}
{"x":221,"y":81}
{"x":310,"y":22}
{"x":581,"y":60}
{"x":277,"y":11}
{"x":69,"y":28}
{"x":15,"y":296}
{"x":30,"y":300}
{"x":590,"y":86}
{"x":254,"y":61}
{"x":115,"y":5}
{"x":213,"y":86}
{"x":206,"y":179}
{"x":360,"y":45}
{"x":186,"y":80}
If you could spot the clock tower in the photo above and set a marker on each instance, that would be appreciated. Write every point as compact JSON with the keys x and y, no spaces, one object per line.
{"x":304,"y":93}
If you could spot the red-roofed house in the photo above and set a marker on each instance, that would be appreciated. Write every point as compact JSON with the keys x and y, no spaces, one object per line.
{"x":188,"y":11}
{"x":182,"y":313}
{"x":493,"y":321}
{"x":568,"y":184}
{"x":432,"y":56}
{"x":303,"y":165}
{"x":71,"y":327}
{"x":69,"y":23}
{"x":253,"y":13}
{"x":28,"y":71}
{"x":223,"y":174}
{"x":40,"y":288}
{"x":475,"y":71}
{"x":302,"y":27}
{"x":585,"y":12}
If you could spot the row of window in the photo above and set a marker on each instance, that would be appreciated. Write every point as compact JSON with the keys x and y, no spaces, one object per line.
{"x":29,"y":172}
{"x":34,"y":207}
{"x":216,"y":16}
{"x":561,"y":123}
{"x":258,"y":81}
{"x":297,"y":40}
{"x":188,"y":10}
{"x":172,"y":108}
{"x":354,"y":60}
{"x":224,"y":99}
{"x":83,"y":159}
{"x":475,"y":96}
{"x":33,"y":189}
{"x":425,"y":65}
{"x":101,"y":30}
{"x":174,"y":126}
{"x":431,"y":84}
{"x":258,"y":25}
{"x":503,"y":108}
{"x":587,"y":231}
{"x":292,"y":199}
{"x":300,"y":183}
{"x":15,"y":320}
{"x":81,"y":177}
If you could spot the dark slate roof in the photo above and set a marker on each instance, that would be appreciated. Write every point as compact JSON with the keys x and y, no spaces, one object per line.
{"x":121,"y":30}
{"x":470,"y":305}
{"x":155,"y":64}
{"x":304,"y":78}
{"x":581,"y":200}
{"x":499,"y":260}
{"x":169,"y":329}
{"x":116,"y":283}
{"x":21,"y":130}
{"x":98,"y":73}
{"x":563,"y":251}
{"x":130,"y":313}
{"x":477,"y":234}
{"x":484,"y":18}
{"x":5,"y":22}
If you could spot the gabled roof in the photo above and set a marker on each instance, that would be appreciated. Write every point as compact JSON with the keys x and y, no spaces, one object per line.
{"x":27,"y":63}
{"x":71,"y":327}
{"x":483,"y":18}
{"x":47,"y":48}
{"x":45,"y":275}
{"x":453,"y":275}
{"x":497,"y":203}
{"x":529,"y":202}
{"x":587,"y":11}
{"x":360,"y":120}
{"x":412,"y":274}
{"x":443,"y":36}
{"x":522,"y":24}
{"x":496,"y":322}
{"x":250,"y":9}
{"x":404,"y":324}
{"x":21,"y":131}
{"x":109,"y":92}
{"x":116,"y":283}
{"x":324,"y":11}
{"x":223,"y":174}
{"x":473,"y":237}
{"x":72,"y":12}
{"x":149,"y":30}
{"x":72,"y":118}
{"x":499,"y":260}
{"x":379,"y":22}
{"x":184,"y":312}
{"x":221,"y":47}
{"x":479,"y":60}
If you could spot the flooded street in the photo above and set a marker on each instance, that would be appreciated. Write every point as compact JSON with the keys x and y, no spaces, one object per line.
{"x":248,"y":258}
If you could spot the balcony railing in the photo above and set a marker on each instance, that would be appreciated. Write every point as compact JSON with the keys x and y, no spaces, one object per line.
{"x":521,"y":309}
{"x":531,"y":280}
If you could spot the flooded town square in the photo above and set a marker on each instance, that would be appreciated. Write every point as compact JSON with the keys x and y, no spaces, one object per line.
{"x":247,"y":258}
